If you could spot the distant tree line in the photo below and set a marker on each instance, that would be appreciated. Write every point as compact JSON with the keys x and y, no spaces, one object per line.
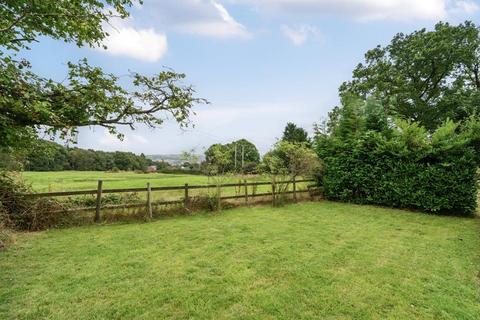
{"x":242,"y":156}
{"x":239,"y":156}
{"x":51,"y":156}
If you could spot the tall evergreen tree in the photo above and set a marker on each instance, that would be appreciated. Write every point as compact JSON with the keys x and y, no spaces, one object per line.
{"x":292,"y":133}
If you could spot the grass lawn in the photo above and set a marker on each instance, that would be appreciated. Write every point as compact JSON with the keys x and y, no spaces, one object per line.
{"x":306,"y":261}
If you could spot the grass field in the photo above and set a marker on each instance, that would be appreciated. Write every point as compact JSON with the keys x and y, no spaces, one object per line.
{"x":86,"y":180}
{"x":306,"y":261}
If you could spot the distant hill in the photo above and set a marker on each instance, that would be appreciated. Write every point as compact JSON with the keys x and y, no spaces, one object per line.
{"x":174,"y":159}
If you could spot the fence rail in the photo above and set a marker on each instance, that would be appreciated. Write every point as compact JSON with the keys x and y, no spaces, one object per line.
{"x":173,"y":188}
{"x":99,"y":192}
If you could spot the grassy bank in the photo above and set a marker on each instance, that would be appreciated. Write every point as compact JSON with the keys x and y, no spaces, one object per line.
{"x":305,"y":261}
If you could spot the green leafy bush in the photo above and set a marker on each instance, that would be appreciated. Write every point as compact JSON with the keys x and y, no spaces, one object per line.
{"x":208,"y":202}
{"x":288,"y":161}
{"x":399,"y":165}
{"x":25,"y":213}
{"x":107,"y":199}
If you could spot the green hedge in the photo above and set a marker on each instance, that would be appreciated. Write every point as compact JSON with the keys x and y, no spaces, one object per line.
{"x":434,"y":181}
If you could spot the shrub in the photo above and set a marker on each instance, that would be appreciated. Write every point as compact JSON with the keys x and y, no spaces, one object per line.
{"x":287,"y":161}
{"x":209,"y":202}
{"x":24,"y":213}
{"x":107,"y":199}
{"x":405,"y":168}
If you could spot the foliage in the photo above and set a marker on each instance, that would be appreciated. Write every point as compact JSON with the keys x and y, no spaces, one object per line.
{"x":217,"y":160}
{"x":286,"y":162}
{"x":191,"y":159}
{"x":471,"y":130}
{"x":9,"y":161}
{"x":88,"y":96}
{"x":292,"y":133}
{"x":210,"y":201}
{"x":72,"y":21}
{"x":22,"y":213}
{"x":399,"y":164}
{"x":50,"y":156}
{"x":290,"y":159}
{"x":107,"y":199}
{"x":220,"y":158}
{"x":425,"y":76}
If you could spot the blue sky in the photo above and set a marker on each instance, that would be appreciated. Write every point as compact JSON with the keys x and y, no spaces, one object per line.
{"x":261,"y":63}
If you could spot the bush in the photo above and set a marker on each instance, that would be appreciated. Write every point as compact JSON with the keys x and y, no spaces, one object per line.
{"x":23,"y":213}
{"x":107,"y":199}
{"x":409,"y":169}
{"x":287,"y":161}
{"x":204,"y":202}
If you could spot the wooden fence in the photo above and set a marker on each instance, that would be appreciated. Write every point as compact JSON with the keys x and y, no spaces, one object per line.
{"x":185,"y":200}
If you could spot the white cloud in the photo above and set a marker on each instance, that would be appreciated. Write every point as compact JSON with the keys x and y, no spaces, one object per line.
{"x":207,"y":18}
{"x":366,"y":10}
{"x":464,"y":7}
{"x":142,"y":44}
{"x":300,"y":34}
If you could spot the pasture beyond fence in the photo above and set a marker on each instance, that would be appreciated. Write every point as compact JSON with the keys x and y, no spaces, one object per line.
{"x":185,"y":200}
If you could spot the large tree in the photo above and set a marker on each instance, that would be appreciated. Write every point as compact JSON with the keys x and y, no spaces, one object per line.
{"x":88,"y":96}
{"x":237,"y":156}
{"x":425,"y":76}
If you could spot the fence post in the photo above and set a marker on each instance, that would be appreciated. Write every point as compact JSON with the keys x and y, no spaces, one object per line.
{"x":149,"y":202}
{"x":99,"y":201}
{"x":294,"y":189}
{"x":219,"y":197}
{"x":246,"y":191}
{"x":273,"y":194}
{"x":186,"y":199}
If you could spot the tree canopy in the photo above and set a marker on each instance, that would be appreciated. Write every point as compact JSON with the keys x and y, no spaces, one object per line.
{"x":425,"y":76}
{"x":292,"y":133}
{"x":244,"y":159}
{"x":291,"y":160}
{"x":88,"y":96}
{"x":51,"y":156}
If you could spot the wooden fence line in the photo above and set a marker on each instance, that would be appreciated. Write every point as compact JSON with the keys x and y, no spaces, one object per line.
{"x":107,"y":191}
{"x":185,"y":200}
{"x":170,"y":202}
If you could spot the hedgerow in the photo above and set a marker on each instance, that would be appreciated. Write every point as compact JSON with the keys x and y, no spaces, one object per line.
{"x":400,"y":164}
{"x":24,"y":213}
